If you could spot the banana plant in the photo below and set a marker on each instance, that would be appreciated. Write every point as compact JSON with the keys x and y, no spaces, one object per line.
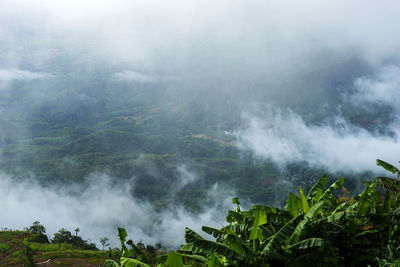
{"x":318,"y":225}
{"x":126,"y":259}
{"x":173,"y":259}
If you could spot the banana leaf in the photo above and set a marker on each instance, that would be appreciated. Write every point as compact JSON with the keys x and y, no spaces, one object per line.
{"x":388,"y":167}
{"x":318,"y":189}
{"x":260,"y":218}
{"x":294,"y":205}
{"x":280,"y":239}
{"x":304,"y":202}
{"x":306,"y":244}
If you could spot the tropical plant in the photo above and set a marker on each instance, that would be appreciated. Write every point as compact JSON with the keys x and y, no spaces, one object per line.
{"x":37,"y":228}
{"x":320,"y":228}
{"x":39,"y":233}
{"x":65,"y":236}
{"x":28,"y":253}
{"x":104,"y":242}
{"x":126,"y":259}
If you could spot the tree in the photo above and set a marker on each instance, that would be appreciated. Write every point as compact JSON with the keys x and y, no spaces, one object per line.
{"x":76,"y":231}
{"x":39,"y":232}
{"x":104,"y":241}
{"x":62,"y":236}
{"x":37,"y":228}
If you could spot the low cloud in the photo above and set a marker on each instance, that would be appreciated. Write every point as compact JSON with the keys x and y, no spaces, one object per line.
{"x":133,"y":76}
{"x":286,"y":138}
{"x":185,"y":176}
{"x":383,"y":87}
{"x":336,"y":145}
{"x":22,"y":75}
{"x":99,"y":209}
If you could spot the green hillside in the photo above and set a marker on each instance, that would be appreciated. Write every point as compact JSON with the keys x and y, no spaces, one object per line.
{"x":68,"y":129}
{"x":18,"y":249}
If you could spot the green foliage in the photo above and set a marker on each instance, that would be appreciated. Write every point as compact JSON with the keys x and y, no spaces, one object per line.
{"x":64,"y":236}
{"x":335,"y":233}
{"x":294,"y":205}
{"x":388,"y":167}
{"x":104,"y":242}
{"x":174,"y":259}
{"x":39,"y":238}
{"x":20,"y":248}
{"x":304,"y":202}
{"x":28,"y":253}
{"x":37,"y":228}
{"x":317,"y":229}
{"x":39,"y":233}
{"x":4,"y":248}
{"x":111,"y":263}
{"x":260,"y":218}
{"x":126,"y":257}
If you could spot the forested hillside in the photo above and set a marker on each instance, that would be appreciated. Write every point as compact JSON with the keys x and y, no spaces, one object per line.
{"x":150,"y":116}
{"x":328,"y":223}
{"x":147,"y":131}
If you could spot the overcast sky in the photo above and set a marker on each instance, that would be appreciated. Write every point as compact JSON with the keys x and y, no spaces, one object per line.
{"x":254,"y":38}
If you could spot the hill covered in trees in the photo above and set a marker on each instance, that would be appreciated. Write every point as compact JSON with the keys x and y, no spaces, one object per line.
{"x":149,"y":131}
{"x":154,"y":114}
{"x":328,"y":226}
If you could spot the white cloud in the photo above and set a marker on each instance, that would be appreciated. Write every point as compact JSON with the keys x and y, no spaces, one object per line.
{"x":185,"y":176}
{"x":133,"y":76}
{"x":22,"y":75}
{"x":98,"y":211}
{"x":285,"y":138}
{"x":203,"y":39}
{"x":384,"y":87}
{"x":217,"y":44}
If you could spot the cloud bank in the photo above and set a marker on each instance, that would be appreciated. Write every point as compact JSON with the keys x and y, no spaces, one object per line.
{"x":288,"y":139}
{"x":383,"y":87}
{"x":208,"y":42}
{"x":335,"y":146}
{"x":100,"y":208}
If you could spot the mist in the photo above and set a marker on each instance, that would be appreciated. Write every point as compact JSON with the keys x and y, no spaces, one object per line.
{"x":197,"y":39}
{"x":15,"y":74}
{"x":307,"y":82}
{"x":101,"y":208}
{"x":335,"y":145}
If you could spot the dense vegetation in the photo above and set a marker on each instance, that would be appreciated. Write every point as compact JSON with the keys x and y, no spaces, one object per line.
{"x":64,"y":129}
{"x":325,"y":227}
{"x":26,"y":248}
{"x":31,"y":247}
{"x":151,"y":110}
{"x":65,"y":139}
{"x":322,"y":228}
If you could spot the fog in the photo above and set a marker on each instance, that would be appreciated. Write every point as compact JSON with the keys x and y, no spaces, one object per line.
{"x":101,"y":209}
{"x":16,"y":74}
{"x":200,"y":39}
{"x":336,"y":145}
{"x":279,"y":64}
{"x":382,"y":87}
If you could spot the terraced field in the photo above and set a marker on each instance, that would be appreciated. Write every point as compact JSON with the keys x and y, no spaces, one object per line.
{"x":13,"y":252}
